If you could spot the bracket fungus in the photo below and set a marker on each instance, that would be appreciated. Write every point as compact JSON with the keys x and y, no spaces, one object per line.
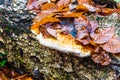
{"x":67,"y":29}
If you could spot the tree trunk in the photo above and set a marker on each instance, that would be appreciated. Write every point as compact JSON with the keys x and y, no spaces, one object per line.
{"x":21,"y":48}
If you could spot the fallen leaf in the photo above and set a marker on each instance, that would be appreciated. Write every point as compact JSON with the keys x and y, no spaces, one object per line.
{"x":112,"y":46}
{"x":35,"y":26}
{"x":63,"y":2}
{"x":102,"y":36}
{"x":82,"y":35}
{"x":81,"y":21}
{"x":94,"y":25}
{"x":33,"y":4}
{"x":42,"y":15}
{"x":52,"y":32}
{"x":3,"y":76}
{"x":107,"y":11}
{"x":90,"y":7}
{"x":81,"y":8}
{"x":81,"y":32}
{"x":83,"y":1}
{"x":61,"y":9}
{"x":69,"y":15}
{"x":23,"y":77}
{"x":48,"y":6}
{"x":101,"y":58}
{"x":11,"y":74}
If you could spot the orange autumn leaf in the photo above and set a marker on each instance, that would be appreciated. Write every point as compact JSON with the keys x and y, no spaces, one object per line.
{"x":107,"y":11}
{"x":40,"y":16}
{"x":102,"y":36}
{"x":23,"y":77}
{"x":112,"y":46}
{"x":61,"y":9}
{"x":86,"y":5}
{"x":48,"y":6}
{"x":35,"y":26}
{"x":70,"y":15}
{"x":81,"y":8}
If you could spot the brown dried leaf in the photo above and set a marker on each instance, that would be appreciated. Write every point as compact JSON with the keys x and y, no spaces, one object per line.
{"x":23,"y":77}
{"x":107,"y":11}
{"x":84,"y":41}
{"x":41,"y":15}
{"x":3,"y":76}
{"x":83,"y":1}
{"x":102,"y":36}
{"x":90,"y":7}
{"x":52,"y":32}
{"x":94,"y":26}
{"x":112,"y":46}
{"x":63,"y":2}
{"x":102,"y":58}
{"x":82,"y":35}
{"x":86,"y":7}
{"x":11,"y":74}
{"x":44,"y":32}
{"x":81,"y":21}
{"x":33,"y":4}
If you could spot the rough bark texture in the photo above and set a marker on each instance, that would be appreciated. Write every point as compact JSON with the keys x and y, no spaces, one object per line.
{"x":21,"y":48}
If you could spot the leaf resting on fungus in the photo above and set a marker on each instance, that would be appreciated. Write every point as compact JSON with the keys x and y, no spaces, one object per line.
{"x":82,"y":35}
{"x":94,"y":26}
{"x":52,"y":32}
{"x":102,"y":36}
{"x":35,"y":27}
{"x":41,"y":15}
{"x":112,"y":46}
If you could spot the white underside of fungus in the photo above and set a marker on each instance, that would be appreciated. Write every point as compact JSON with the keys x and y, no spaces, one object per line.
{"x":66,"y":44}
